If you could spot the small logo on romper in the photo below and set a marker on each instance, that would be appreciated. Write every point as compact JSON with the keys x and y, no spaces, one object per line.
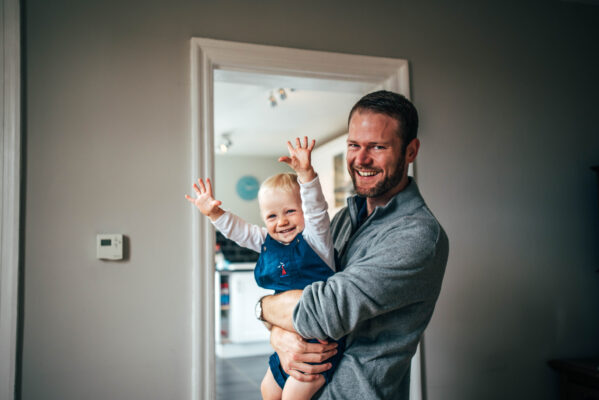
{"x":283,"y":272}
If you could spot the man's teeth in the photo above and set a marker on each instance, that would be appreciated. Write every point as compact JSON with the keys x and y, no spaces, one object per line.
{"x":366,"y":173}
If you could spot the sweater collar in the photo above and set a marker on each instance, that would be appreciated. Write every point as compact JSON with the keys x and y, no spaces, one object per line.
{"x":403,"y":203}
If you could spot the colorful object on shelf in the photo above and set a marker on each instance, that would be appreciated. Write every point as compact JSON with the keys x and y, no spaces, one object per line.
{"x":224,"y":294}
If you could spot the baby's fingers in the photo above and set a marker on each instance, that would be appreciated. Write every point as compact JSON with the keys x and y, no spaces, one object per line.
{"x":200,"y":185}
{"x":284,"y":159}
{"x":209,"y":184}
{"x":290,"y":147}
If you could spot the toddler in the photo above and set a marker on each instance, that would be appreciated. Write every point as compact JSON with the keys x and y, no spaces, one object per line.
{"x":295,"y":247}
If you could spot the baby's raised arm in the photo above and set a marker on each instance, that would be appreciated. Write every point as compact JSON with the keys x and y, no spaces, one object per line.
{"x":317,"y":230}
{"x":300,"y":159}
{"x":205,"y":202}
{"x":233,"y":227}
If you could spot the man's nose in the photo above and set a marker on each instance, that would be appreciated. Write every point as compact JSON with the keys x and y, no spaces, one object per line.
{"x":363,"y":157}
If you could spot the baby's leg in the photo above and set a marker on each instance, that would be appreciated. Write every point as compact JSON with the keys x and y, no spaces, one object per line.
{"x":297,"y":390}
{"x":270,"y":388}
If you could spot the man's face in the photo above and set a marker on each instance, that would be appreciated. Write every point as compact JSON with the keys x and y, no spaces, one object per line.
{"x":282,"y":214}
{"x":374,"y":158}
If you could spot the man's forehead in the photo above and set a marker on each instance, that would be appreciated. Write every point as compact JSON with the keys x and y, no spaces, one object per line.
{"x":370,"y":136}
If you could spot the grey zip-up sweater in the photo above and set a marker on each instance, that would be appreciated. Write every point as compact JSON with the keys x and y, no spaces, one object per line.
{"x":391,"y":269}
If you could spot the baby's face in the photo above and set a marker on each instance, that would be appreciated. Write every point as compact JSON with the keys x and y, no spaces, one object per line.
{"x":282,"y":213}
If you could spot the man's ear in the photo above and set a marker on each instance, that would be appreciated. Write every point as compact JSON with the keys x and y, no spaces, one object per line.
{"x":412,"y":150}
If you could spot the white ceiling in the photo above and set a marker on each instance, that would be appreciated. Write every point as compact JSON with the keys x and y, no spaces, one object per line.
{"x":316,"y":108}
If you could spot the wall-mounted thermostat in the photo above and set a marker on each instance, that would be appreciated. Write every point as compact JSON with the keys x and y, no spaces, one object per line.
{"x":110,"y":246}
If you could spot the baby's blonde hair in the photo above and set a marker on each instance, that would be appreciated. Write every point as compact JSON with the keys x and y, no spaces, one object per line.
{"x":286,"y":182}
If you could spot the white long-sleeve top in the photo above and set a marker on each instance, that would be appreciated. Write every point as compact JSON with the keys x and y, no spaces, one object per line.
{"x":317,"y":225}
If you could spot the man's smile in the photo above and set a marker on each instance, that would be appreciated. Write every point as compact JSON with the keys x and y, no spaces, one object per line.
{"x":365,"y":173}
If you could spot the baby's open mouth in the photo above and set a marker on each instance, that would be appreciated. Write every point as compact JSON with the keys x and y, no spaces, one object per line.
{"x":287,"y":230}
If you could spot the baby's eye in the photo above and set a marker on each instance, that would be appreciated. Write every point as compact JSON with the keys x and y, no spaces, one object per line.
{"x":290,"y":211}
{"x":271,"y":216}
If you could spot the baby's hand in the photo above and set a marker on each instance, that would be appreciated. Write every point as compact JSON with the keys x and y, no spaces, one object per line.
{"x":300,"y":159}
{"x":205,"y":201}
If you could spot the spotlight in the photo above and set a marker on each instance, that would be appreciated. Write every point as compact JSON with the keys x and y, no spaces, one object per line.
{"x":272,"y":100}
{"x":282,"y":94}
{"x":225,"y":142}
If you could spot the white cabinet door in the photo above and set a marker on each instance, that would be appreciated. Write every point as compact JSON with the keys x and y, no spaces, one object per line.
{"x":243,"y":295}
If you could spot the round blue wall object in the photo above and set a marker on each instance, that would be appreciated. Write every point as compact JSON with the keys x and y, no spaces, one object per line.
{"x":247,"y":187}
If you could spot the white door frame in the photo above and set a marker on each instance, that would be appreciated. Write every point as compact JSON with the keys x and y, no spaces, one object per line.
{"x":206,"y":56}
{"x":10,"y":175}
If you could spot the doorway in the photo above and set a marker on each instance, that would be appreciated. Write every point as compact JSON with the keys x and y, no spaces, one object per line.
{"x":215,"y":62}
{"x":254,"y":116}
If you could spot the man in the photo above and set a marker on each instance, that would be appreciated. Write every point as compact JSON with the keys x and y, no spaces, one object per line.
{"x":392,"y":254}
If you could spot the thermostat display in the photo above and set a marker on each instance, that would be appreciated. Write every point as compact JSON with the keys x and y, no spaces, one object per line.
{"x":109,"y":246}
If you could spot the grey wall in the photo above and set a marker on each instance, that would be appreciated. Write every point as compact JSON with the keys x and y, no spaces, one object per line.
{"x":507,"y":93}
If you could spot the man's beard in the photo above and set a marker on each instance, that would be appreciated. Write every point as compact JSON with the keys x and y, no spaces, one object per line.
{"x":383,"y":186}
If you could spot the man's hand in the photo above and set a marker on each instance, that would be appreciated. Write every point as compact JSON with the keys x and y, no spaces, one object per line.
{"x":300,"y":159}
{"x":205,"y":201}
{"x":295,"y":353}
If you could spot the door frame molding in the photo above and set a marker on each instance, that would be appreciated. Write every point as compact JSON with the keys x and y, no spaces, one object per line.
{"x":207,"y":55}
{"x":10,"y":170}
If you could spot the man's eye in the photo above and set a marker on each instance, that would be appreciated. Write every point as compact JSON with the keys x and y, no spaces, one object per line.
{"x":379,"y":147}
{"x":352,"y":145}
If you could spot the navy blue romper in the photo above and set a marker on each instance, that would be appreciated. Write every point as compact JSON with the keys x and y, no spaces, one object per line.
{"x":293,"y":266}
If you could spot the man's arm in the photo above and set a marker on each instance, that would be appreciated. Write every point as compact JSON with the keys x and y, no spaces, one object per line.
{"x":278,"y":309}
{"x":405,"y":268}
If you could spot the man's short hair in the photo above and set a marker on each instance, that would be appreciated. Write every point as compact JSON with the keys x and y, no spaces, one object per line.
{"x":395,"y":106}
{"x":285,"y":181}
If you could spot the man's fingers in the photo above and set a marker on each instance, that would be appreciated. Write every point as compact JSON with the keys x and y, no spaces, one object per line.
{"x":302,"y":377}
{"x":310,"y":368}
{"x":314,"y":357}
{"x":308,"y":347}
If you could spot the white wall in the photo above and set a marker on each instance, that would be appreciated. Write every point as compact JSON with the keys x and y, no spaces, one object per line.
{"x":229,"y":168}
{"x":507,"y":96}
